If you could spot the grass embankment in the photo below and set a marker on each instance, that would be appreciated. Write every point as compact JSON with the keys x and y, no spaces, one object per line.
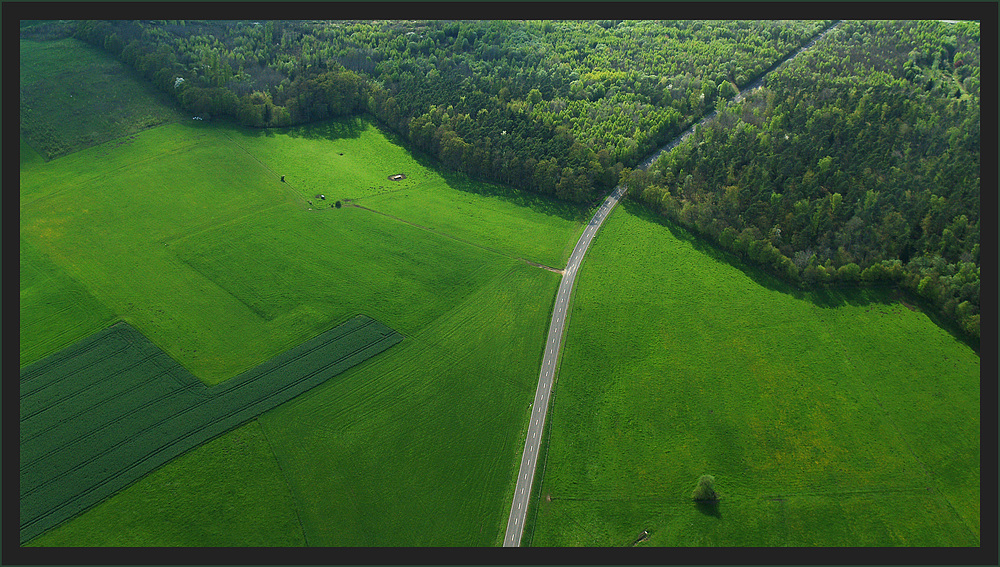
{"x":73,"y":96}
{"x":197,"y":243}
{"x":831,"y":419}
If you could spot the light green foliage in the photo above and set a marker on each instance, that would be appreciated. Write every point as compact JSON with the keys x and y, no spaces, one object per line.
{"x":831,"y":419}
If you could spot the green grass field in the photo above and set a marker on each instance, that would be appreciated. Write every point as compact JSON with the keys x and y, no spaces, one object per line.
{"x":187,"y":233}
{"x":357,"y":165}
{"x":835,"y":419}
{"x":195,"y":501}
{"x":101,"y":414}
{"x":417,"y":447}
{"x":73,"y":96}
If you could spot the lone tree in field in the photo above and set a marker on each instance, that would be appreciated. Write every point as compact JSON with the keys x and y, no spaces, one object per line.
{"x":337,"y":204}
{"x":705,"y":491}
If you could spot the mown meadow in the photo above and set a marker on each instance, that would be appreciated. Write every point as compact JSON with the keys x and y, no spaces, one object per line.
{"x":840,"y":418}
{"x":187,"y":232}
{"x":827,"y":419}
{"x":72,"y":96}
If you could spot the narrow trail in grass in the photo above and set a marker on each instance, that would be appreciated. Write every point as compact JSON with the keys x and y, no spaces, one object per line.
{"x":480,"y":246}
{"x":284,"y":476}
{"x":265,"y":166}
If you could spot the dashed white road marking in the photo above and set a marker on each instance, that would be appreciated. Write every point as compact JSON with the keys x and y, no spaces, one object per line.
{"x":565,"y":288}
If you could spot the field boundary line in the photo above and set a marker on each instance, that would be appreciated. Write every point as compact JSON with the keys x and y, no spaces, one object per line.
{"x":43,"y":366}
{"x":190,"y":439}
{"x":905,"y":439}
{"x":188,"y":409}
{"x":256,"y":311}
{"x":462,"y":240}
{"x":284,"y":477}
{"x":77,"y":184}
{"x":265,"y":166}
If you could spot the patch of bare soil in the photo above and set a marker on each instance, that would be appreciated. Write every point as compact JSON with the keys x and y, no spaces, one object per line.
{"x":543,"y":266}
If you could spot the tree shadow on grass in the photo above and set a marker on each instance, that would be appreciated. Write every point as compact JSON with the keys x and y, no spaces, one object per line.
{"x":576,"y":212}
{"x":829,"y":297}
{"x":824,"y":297}
{"x":331,"y":129}
{"x":709,"y":508}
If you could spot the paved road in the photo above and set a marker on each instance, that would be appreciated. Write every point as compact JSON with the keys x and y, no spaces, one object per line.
{"x":526,"y":474}
{"x":759,"y":82}
{"x":539,"y":409}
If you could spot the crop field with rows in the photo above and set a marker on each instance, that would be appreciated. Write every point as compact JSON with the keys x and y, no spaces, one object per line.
{"x":187,"y":233}
{"x":101,"y":414}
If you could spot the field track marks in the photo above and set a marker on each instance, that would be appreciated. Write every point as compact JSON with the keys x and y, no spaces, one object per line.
{"x":277,"y":176}
{"x":284,"y":477}
{"x":462,"y":240}
{"x":32,"y":376}
{"x":104,"y":173}
{"x":191,"y":408}
{"x":105,"y":379}
{"x":905,"y":440}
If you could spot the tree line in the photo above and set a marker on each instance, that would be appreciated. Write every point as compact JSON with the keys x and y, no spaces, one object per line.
{"x":858,"y":163}
{"x":553,"y":107}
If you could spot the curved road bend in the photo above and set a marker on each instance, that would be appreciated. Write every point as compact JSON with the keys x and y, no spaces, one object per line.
{"x":526,"y":474}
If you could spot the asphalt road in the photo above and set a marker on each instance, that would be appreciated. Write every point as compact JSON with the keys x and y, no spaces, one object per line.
{"x":529,"y":459}
{"x":540,"y":407}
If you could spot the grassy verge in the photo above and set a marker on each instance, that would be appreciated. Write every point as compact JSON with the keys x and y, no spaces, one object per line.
{"x":837,"y":422}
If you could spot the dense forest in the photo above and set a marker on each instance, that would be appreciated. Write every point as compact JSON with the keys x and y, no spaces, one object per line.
{"x":552,"y":107}
{"x":857,"y":163}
